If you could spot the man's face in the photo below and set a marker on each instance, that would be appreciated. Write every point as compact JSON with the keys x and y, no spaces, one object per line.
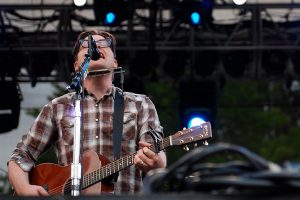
{"x":107,"y":59}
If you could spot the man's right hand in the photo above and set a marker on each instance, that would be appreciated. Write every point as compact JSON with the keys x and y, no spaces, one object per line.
{"x":32,"y":190}
{"x":20,"y":182}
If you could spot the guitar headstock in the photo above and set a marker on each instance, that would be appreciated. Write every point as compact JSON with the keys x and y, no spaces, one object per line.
{"x":196,"y":133}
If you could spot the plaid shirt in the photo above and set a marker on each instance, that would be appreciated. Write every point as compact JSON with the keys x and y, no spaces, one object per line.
{"x":55,"y":125}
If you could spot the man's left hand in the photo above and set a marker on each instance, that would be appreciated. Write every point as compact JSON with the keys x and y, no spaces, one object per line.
{"x":145,"y":159}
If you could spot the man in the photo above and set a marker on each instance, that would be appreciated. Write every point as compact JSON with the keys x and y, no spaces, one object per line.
{"x":55,"y":125}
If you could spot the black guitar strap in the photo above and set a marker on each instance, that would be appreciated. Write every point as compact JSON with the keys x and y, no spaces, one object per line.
{"x":118,"y":122}
{"x":117,"y":132}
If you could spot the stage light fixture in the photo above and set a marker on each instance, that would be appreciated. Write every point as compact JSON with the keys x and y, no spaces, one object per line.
{"x":9,"y":106}
{"x":196,"y":117}
{"x":109,"y":18}
{"x":194,"y":12}
{"x":235,"y":62}
{"x":274,"y":62}
{"x":144,"y":63}
{"x":197,"y":102}
{"x":195,"y":18}
{"x":206,"y":63}
{"x":112,"y":12}
{"x":41,"y":64}
{"x":79,"y":3}
{"x":239,"y":2}
{"x":11,"y":63}
{"x":175,"y":63}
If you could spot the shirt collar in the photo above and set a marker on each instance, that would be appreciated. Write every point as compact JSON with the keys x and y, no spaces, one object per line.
{"x":109,"y":92}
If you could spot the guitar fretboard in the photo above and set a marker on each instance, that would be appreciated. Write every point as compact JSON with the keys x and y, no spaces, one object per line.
{"x":117,"y":165}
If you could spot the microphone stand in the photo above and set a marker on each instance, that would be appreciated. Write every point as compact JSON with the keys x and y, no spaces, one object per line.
{"x":76,"y":168}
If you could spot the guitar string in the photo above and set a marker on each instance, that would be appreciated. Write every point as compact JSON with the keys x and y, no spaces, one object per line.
{"x":113,"y":165}
{"x":57,"y":190}
{"x":86,"y":177}
{"x":68,"y":185}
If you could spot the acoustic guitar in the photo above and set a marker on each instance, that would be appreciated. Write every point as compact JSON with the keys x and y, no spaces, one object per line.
{"x":56,"y":179}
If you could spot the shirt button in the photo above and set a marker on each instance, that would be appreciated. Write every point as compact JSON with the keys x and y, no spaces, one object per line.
{"x":97,"y":136}
{"x":97,"y":119}
{"x":96,"y":105}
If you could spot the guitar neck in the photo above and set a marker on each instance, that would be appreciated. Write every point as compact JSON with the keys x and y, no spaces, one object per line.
{"x":119,"y":164}
{"x":186,"y":136}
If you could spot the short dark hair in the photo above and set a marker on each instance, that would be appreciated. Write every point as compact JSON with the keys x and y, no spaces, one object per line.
{"x":83,"y":35}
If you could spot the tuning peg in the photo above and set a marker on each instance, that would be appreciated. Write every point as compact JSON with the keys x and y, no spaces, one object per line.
{"x":186,"y":148}
{"x":205,"y":143}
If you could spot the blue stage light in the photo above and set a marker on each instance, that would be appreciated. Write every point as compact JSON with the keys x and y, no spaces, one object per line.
{"x":195,"y":18}
{"x":112,"y":12}
{"x":194,"y":12}
{"x":195,"y":120}
{"x":197,"y":102}
{"x":110,"y":18}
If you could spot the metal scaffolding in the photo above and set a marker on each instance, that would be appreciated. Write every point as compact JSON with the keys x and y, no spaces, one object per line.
{"x":53,"y":32}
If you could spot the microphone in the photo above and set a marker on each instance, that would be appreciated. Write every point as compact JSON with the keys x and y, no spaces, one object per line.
{"x":93,"y":54}
{"x":93,"y":49}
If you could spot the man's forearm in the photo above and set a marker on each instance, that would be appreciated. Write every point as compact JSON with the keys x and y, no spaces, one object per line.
{"x":17,"y":177}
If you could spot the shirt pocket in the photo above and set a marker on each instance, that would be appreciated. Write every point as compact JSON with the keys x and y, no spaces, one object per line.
{"x":129,"y":126}
{"x":67,"y":130}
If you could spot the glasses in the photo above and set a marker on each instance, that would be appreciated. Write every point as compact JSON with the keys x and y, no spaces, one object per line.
{"x":100,"y":43}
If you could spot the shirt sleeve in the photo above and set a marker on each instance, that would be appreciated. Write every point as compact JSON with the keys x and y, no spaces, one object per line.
{"x":148,"y":120}
{"x":35,"y":141}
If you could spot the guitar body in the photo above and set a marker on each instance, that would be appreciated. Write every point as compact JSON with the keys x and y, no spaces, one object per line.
{"x":56,"y":179}
{"x":97,"y":169}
